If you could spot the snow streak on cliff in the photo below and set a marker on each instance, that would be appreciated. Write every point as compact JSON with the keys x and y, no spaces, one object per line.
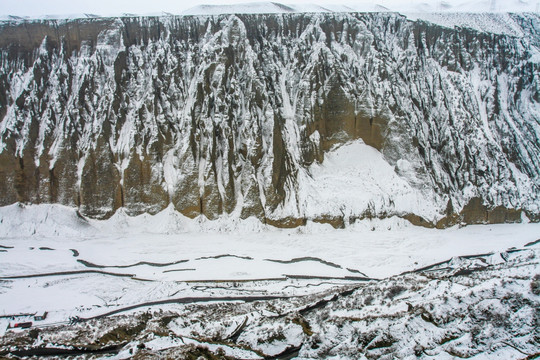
{"x":286,"y":117}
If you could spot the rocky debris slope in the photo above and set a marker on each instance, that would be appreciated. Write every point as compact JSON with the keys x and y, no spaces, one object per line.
{"x":483,"y":306}
{"x":240,"y":115}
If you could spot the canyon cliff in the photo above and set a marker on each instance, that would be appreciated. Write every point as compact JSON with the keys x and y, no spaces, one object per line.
{"x":240,"y":115}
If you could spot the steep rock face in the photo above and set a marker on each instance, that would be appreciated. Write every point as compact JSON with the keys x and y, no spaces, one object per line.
{"x":236,"y":114}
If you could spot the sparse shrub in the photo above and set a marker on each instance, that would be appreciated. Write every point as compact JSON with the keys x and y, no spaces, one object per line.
{"x":475,"y":331}
{"x":164,"y":321}
{"x":33,"y":333}
{"x":276,"y":336}
{"x":306,"y":328}
{"x":368,"y":300}
{"x":535,"y":285}
{"x":418,"y":350}
{"x":202,"y":352}
{"x":384,"y":340}
{"x":395,"y":291}
{"x":314,"y":342}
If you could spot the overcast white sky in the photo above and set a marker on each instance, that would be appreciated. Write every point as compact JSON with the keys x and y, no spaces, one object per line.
{"x":117,"y":7}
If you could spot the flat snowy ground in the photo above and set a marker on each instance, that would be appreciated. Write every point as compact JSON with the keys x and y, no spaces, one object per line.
{"x":51,"y":260}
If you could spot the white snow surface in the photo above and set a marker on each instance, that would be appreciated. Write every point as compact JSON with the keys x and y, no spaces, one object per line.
{"x":434,"y":10}
{"x":410,"y":6}
{"x":357,"y":178}
{"x":496,"y":23}
{"x":129,"y":260}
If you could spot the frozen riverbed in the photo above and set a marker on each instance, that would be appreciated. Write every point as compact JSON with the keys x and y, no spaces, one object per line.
{"x":51,"y":260}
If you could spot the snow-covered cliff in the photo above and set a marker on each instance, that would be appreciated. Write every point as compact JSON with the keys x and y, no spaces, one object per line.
{"x":286,"y":117}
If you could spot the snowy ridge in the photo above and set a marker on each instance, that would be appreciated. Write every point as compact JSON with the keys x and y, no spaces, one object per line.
{"x":501,"y":23}
{"x":249,"y":8}
{"x":411,"y":6}
{"x":416,"y":7}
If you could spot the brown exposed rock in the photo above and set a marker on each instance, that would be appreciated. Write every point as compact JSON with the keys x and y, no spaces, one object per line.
{"x":8,"y":169}
{"x":212,"y":204}
{"x":22,"y":38}
{"x":25,"y":178}
{"x":337,"y":122}
{"x":500,"y":214}
{"x":100,"y":193}
{"x":251,"y":205}
{"x":280,"y":166}
{"x":336,"y":221}
{"x":186,"y":197}
{"x":64,"y":189}
{"x":287,"y":222}
{"x":418,"y":220}
{"x":143,"y":187}
{"x":475,"y":212}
